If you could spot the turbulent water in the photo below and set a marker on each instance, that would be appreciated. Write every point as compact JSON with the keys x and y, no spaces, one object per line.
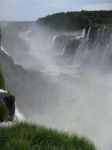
{"x":79,"y":63}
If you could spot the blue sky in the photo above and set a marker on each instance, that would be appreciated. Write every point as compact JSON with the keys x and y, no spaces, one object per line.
{"x":33,"y":9}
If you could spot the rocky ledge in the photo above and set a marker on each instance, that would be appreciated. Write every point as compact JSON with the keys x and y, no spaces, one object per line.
{"x":7,"y":101}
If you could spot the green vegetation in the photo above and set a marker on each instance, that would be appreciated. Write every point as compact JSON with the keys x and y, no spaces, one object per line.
{"x":2,"y":82}
{"x":77,"y":20}
{"x":4,"y":114}
{"x":23,"y":136}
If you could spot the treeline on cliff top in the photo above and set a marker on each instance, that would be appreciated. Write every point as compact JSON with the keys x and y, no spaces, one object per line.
{"x":77,"y":20}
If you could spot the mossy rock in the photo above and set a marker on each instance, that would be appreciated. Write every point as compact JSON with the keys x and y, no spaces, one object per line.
{"x":4,"y":114}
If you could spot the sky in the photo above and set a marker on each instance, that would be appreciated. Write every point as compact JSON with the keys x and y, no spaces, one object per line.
{"x":11,"y":10}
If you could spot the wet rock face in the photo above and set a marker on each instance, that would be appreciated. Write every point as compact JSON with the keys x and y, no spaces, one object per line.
{"x":9,"y":101}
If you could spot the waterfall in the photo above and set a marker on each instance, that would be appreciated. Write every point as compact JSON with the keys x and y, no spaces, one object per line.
{"x":18,"y":115}
{"x":72,"y":91}
{"x":83,"y":33}
{"x":95,"y":49}
{"x":108,"y":48}
{"x":88,"y":34}
{"x":3,"y":49}
{"x":98,"y":37}
{"x":3,"y":91}
{"x":54,"y":38}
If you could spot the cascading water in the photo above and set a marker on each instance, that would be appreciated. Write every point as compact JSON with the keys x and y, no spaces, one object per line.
{"x":95,"y":49}
{"x":18,"y":115}
{"x":3,"y":49}
{"x":79,"y":64}
{"x":88,"y":33}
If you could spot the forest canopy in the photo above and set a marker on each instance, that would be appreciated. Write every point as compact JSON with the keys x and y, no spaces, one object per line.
{"x":77,"y":20}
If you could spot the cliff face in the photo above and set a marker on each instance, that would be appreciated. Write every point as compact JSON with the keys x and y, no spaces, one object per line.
{"x":11,"y":40}
{"x":14,"y":76}
{"x":7,"y":102}
{"x":7,"y":106}
{"x":28,"y":86}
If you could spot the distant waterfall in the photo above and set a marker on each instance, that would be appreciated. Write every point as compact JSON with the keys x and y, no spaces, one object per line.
{"x":83,"y":33}
{"x":89,"y":47}
{"x":88,"y":33}
{"x":95,"y":47}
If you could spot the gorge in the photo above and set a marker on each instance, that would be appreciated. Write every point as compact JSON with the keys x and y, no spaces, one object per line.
{"x":61,"y":77}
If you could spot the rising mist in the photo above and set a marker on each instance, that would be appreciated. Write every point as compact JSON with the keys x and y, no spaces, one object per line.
{"x":75,"y":78}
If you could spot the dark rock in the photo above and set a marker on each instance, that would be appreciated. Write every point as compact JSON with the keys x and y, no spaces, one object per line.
{"x":9,"y":101}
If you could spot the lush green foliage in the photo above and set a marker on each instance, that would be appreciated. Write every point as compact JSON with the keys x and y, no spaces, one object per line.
{"x":4,"y":114}
{"x":77,"y":20}
{"x":25,"y":136}
{"x":2,"y":83}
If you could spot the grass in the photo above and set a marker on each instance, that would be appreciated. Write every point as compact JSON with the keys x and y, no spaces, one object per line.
{"x":24,"y":136}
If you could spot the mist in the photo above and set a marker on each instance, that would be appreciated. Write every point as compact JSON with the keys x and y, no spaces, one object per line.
{"x":76,"y":69}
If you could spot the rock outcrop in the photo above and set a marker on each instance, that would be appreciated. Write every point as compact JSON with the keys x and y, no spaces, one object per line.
{"x":9,"y":101}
